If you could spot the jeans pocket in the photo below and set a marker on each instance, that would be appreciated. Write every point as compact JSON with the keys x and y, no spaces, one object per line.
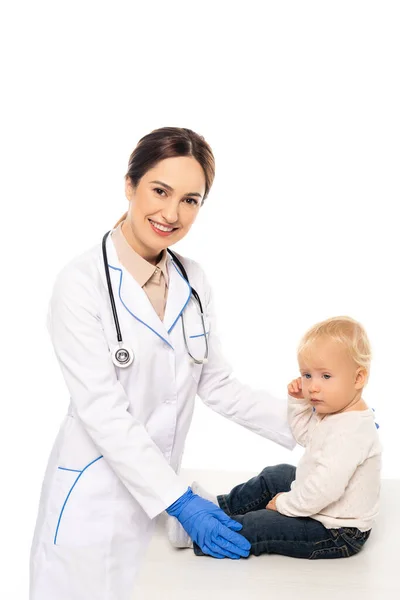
{"x":350,"y":531}
{"x":353,"y":538}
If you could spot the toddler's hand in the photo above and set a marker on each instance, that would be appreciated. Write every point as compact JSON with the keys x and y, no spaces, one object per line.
{"x":295,"y":388}
{"x":272,"y":503}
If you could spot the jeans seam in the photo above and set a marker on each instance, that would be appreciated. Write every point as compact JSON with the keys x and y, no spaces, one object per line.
{"x":324,"y":541}
{"x":354,"y":545}
{"x":223,"y":504}
{"x":248,"y":507}
{"x":264,"y":498}
{"x":326,"y":551}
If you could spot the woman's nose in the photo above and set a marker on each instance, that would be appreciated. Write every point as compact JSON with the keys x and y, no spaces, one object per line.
{"x":170,"y":213}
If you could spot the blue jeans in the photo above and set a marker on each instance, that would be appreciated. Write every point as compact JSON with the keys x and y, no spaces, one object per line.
{"x":270,"y":532}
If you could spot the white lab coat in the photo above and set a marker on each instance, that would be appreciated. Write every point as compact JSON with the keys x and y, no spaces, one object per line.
{"x":114,"y":463}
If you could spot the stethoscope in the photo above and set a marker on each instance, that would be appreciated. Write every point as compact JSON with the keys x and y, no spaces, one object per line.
{"x":122,"y":356}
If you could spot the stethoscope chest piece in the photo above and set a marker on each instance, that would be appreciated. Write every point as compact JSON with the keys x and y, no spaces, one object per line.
{"x":122,"y":356}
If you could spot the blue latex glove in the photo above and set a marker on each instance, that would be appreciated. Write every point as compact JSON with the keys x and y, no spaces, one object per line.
{"x":208,"y":526}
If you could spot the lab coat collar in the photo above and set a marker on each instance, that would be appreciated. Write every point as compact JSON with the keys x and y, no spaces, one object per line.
{"x":130,"y":296}
{"x":179,"y":293}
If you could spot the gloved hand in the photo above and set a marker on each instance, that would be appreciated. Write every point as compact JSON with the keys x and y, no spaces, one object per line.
{"x":208,"y":526}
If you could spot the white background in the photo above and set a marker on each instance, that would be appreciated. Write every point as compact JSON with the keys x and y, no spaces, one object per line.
{"x":300,"y":103}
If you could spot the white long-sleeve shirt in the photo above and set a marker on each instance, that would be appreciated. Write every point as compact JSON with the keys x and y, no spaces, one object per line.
{"x":338,"y":477}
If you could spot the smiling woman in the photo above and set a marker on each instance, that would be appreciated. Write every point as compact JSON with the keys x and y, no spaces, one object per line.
{"x":168,"y":179}
{"x":115,"y":463}
{"x":162,"y":208}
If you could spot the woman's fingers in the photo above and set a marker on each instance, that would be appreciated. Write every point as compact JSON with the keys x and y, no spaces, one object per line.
{"x":231,"y":541}
{"x":230,"y":549}
{"x":215,"y":551}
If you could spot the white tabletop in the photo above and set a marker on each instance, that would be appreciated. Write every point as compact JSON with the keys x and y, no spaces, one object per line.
{"x":373,"y":574}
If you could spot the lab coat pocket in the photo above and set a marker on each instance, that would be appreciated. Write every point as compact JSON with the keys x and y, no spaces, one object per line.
{"x":83,"y":505}
{"x":196,"y":341}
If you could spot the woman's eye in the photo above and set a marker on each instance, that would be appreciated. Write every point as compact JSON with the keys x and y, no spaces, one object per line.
{"x":192,"y":201}
{"x":159,"y":191}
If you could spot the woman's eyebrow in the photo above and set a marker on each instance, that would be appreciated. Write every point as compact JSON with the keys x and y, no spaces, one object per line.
{"x":172,"y":189}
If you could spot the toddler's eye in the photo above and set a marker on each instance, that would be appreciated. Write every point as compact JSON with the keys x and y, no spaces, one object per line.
{"x":325,"y":376}
{"x":307,"y":375}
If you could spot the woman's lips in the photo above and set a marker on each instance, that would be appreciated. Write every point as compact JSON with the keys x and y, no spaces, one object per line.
{"x":159,"y":231}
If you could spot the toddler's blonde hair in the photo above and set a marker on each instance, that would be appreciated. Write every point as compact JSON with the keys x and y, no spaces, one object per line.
{"x":347,"y":332}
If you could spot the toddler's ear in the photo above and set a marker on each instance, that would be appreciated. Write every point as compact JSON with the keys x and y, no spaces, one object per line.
{"x":361,"y":378}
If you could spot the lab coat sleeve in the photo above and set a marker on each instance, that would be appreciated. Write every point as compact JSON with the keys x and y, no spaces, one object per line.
{"x":300,"y":415}
{"x":256,"y":410}
{"x":99,"y":399}
{"x":329,"y":471}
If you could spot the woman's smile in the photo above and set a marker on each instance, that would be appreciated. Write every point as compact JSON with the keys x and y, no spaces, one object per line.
{"x":160,"y":229}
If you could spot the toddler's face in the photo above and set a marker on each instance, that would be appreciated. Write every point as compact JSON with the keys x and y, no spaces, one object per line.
{"x":331,"y":380}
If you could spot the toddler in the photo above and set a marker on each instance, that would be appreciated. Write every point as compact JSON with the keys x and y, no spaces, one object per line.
{"x":324,"y":508}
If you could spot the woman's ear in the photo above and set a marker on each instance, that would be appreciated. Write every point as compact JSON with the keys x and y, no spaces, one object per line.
{"x":129,"y":190}
{"x":361,"y":378}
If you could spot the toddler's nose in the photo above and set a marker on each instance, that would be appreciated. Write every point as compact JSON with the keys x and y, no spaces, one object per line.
{"x":313,"y":388}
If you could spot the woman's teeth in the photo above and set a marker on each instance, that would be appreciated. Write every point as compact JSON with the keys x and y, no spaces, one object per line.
{"x":161,"y":227}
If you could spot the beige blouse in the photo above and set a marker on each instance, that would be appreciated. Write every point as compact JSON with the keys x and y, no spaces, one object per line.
{"x":152,"y":278}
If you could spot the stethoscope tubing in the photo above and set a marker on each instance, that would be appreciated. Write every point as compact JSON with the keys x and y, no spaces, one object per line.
{"x":115,"y":314}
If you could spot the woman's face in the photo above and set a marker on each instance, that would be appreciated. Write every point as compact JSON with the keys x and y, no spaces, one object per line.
{"x":164,"y":205}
